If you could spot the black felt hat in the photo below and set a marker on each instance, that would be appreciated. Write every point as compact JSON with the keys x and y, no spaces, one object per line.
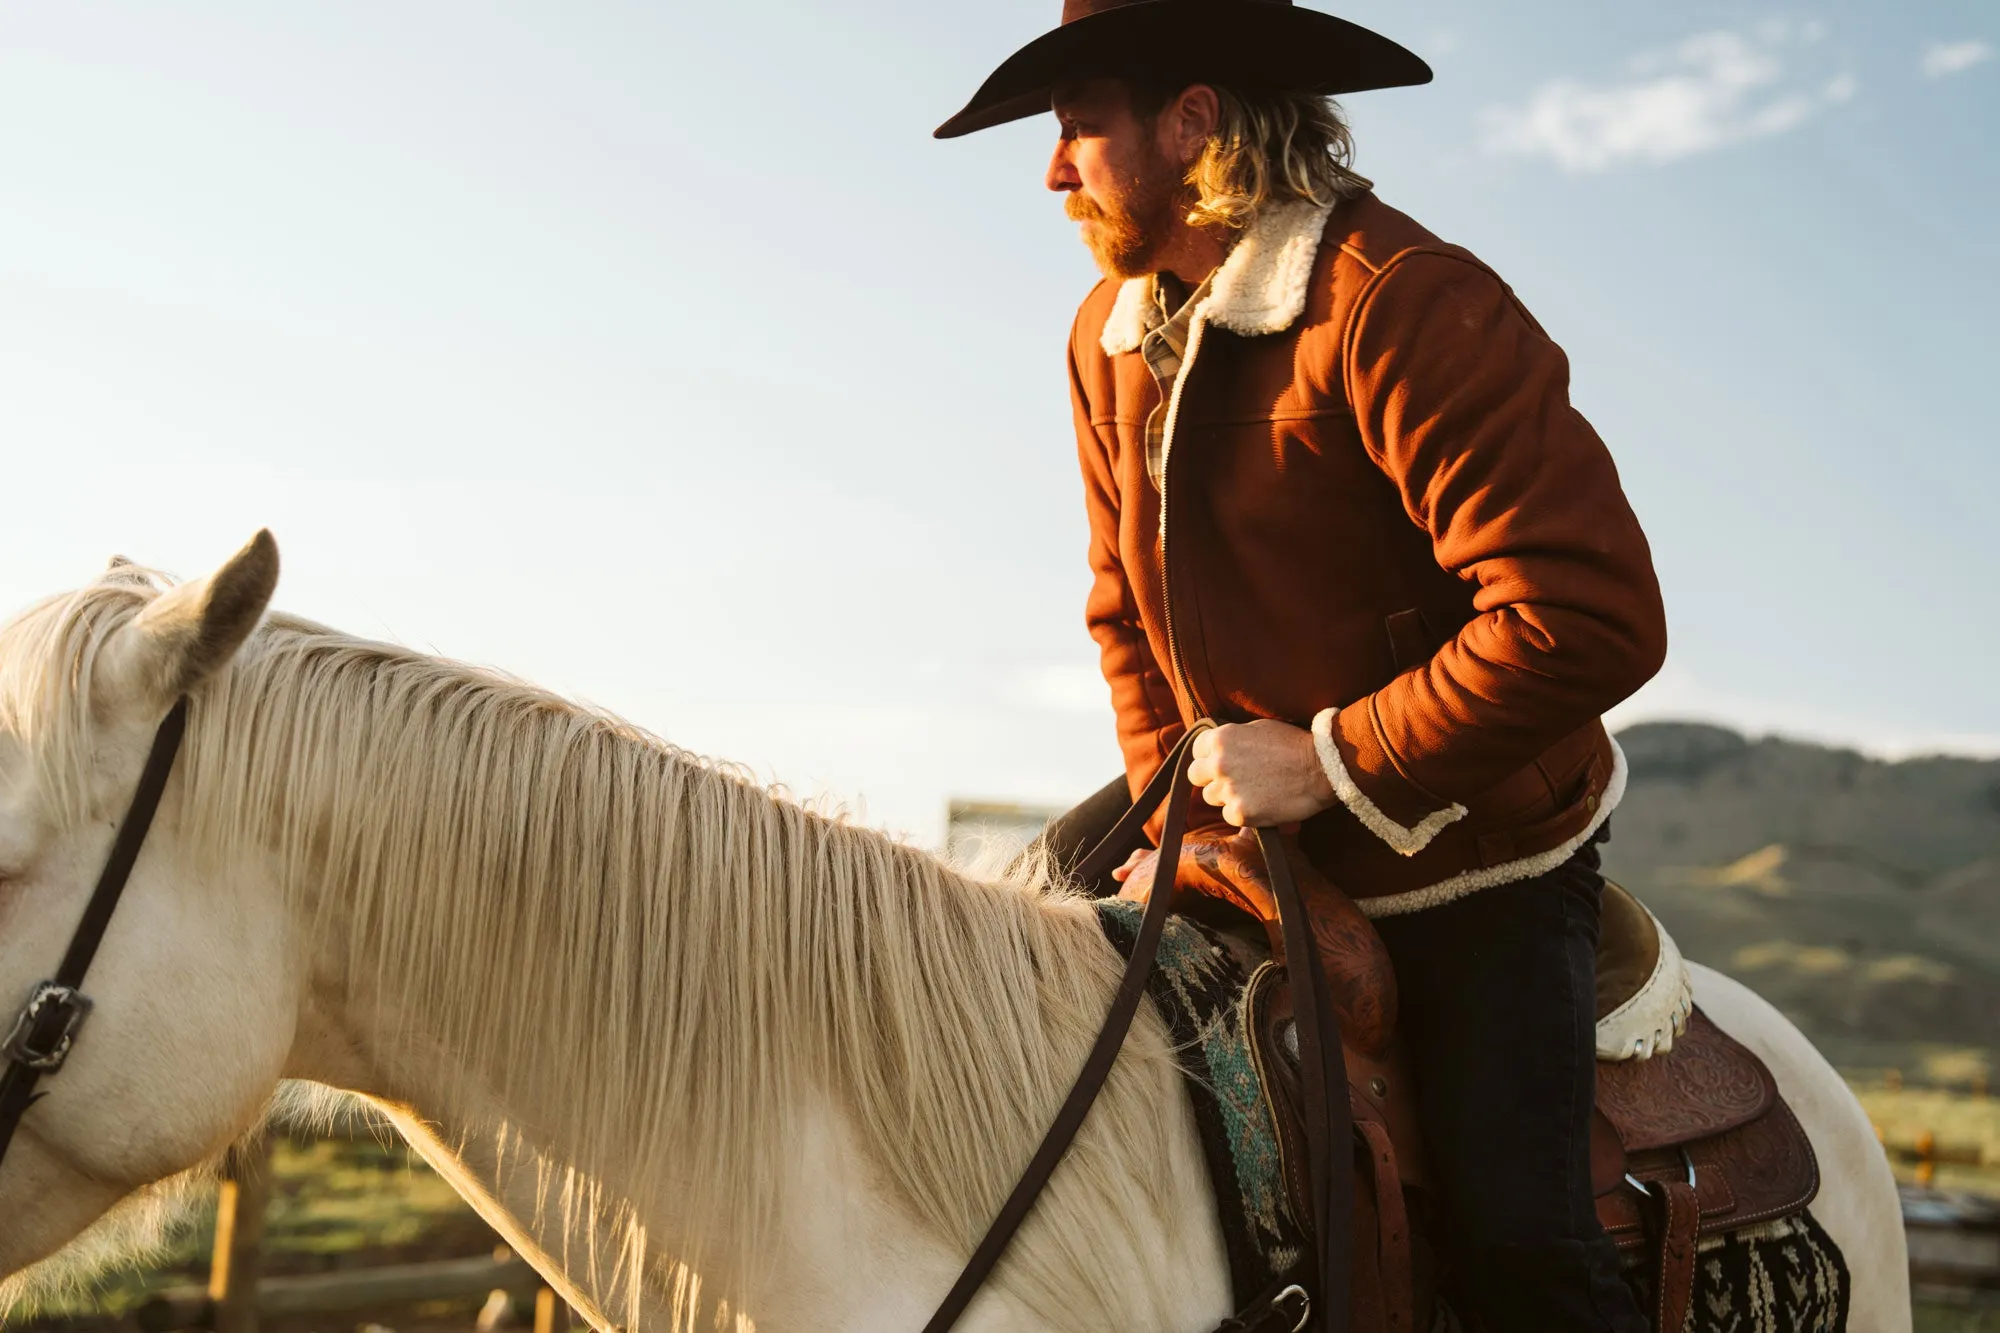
{"x":1251,"y":45}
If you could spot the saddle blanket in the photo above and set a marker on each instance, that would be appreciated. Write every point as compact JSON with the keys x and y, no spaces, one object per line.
{"x":1197,"y":987}
{"x":1785,"y":1276}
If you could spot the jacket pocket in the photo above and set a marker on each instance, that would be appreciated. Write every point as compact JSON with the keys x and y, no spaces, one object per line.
{"x":1411,"y":643}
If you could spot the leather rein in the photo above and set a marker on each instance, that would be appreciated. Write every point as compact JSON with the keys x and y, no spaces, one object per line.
{"x":46,"y":1029}
{"x":45,"y":1032}
{"x":1329,"y":1129}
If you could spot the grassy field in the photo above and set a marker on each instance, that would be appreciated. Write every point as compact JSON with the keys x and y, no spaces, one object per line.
{"x":1962,"y":1131}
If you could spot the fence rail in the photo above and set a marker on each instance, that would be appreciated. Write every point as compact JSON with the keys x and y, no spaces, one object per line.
{"x":353,"y":1289}
{"x":1954,"y":1248}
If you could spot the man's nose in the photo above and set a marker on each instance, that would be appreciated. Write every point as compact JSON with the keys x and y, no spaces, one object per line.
{"x":1062,"y":177}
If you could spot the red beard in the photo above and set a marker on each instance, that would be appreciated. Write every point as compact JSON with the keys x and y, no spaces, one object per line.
{"x":1125,"y":235}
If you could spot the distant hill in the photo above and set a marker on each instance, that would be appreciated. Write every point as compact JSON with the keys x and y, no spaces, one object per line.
{"x":1859,"y":896}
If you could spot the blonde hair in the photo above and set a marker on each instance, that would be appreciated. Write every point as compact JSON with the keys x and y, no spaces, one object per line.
{"x":1268,"y":147}
{"x":666,"y":961}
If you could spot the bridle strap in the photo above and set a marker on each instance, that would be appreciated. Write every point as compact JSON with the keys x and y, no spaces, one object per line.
{"x":1169,"y":782}
{"x":1329,"y":1118}
{"x":48,"y":1024}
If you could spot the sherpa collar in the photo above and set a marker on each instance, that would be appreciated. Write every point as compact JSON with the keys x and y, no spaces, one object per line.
{"x":1261,"y":288}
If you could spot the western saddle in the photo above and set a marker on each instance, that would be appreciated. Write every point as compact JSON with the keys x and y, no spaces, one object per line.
{"x":1690,"y":1137}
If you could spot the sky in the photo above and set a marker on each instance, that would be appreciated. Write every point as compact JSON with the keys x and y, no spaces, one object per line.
{"x":656,"y":353}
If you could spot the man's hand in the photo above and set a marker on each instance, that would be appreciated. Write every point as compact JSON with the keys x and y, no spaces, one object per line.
{"x":1229,"y":866}
{"x":1260,"y":774}
{"x":1137,"y":874}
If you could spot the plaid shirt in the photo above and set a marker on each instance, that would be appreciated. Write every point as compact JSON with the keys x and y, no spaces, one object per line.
{"x":1164,"y":347}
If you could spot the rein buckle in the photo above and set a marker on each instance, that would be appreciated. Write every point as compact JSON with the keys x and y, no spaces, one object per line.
{"x":69,"y":1005}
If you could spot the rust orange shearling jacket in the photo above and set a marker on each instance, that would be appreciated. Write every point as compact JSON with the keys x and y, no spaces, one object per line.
{"x":1378,"y":517}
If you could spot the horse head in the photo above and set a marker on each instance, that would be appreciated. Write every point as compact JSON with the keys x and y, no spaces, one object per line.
{"x":193,"y":1003}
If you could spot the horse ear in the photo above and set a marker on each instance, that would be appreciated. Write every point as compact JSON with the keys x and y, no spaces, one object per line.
{"x":122,"y":570}
{"x":190,"y":631}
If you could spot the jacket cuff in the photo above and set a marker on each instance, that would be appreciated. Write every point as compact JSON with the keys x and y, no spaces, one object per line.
{"x":1405,"y":839}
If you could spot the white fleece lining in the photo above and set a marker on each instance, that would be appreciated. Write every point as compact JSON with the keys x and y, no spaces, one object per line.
{"x":1133,"y":315}
{"x":1458,"y":886}
{"x":1261,"y":287}
{"x":1646,"y":1025}
{"x":1406,"y":841}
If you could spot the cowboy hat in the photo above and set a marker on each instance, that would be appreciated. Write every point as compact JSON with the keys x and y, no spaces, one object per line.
{"x":1248,"y":44}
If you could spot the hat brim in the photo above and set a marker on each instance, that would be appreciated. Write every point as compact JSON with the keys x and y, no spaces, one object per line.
{"x":1237,"y":43}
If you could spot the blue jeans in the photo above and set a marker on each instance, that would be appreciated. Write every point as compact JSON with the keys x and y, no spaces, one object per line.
{"x":1498,"y":1005}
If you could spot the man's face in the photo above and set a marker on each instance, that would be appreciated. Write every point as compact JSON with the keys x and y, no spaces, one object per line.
{"x":1124,"y":185}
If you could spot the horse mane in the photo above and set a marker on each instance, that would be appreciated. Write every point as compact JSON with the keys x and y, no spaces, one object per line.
{"x":665,"y":957}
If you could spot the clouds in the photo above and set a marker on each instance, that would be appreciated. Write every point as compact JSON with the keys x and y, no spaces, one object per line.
{"x":1942,"y":59}
{"x":1711,"y":91}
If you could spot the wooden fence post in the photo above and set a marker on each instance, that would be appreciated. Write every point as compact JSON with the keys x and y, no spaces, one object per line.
{"x":238,"y":1262}
{"x":551,"y":1312}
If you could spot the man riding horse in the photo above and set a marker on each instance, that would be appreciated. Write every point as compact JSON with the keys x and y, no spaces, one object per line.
{"x":1340,"y":502}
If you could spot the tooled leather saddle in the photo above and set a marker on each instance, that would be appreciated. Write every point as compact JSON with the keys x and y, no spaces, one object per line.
{"x":1690,"y":1136}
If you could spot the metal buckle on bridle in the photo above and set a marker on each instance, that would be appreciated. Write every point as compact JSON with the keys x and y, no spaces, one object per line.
{"x":46,"y":1030}
{"x":70,"y":1004}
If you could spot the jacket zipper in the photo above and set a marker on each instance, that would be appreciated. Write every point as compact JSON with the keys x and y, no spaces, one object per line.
{"x":1195,"y":329}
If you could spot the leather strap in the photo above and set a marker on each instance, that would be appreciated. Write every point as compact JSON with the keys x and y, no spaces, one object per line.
{"x":1329,"y":1124}
{"x":1680,"y":1228}
{"x":1171,"y":783}
{"x":1398,"y":1278}
{"x":1323,"y":1072}
{"x":48,"y":1024}
{"x":1076,"y":832}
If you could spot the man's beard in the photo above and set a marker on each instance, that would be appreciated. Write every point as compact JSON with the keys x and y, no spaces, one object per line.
{"x":1126,"y":235}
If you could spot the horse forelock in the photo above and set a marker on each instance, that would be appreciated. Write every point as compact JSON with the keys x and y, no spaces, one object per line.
{"x":48,"y":656}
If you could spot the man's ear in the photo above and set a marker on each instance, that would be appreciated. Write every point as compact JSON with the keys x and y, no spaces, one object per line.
{"x":189,"y":632}
{"x":1191,"y":118}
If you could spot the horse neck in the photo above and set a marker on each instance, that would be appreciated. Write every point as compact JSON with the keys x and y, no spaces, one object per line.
{"x":870,"y":1000}
{"x":545,"y":928}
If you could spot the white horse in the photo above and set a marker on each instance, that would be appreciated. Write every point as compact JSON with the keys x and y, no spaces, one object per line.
{"x":705,"y":1058}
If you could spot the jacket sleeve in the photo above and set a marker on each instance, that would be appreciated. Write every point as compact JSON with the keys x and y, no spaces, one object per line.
{"x":1463,"y":402}
{"x":1149,"y":721}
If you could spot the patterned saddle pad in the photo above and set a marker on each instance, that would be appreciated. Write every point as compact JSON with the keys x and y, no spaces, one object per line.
{"x":1197,"y":986}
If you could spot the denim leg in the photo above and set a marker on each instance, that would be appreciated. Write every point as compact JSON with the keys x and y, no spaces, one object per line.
{"x":1498,"y":1006}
